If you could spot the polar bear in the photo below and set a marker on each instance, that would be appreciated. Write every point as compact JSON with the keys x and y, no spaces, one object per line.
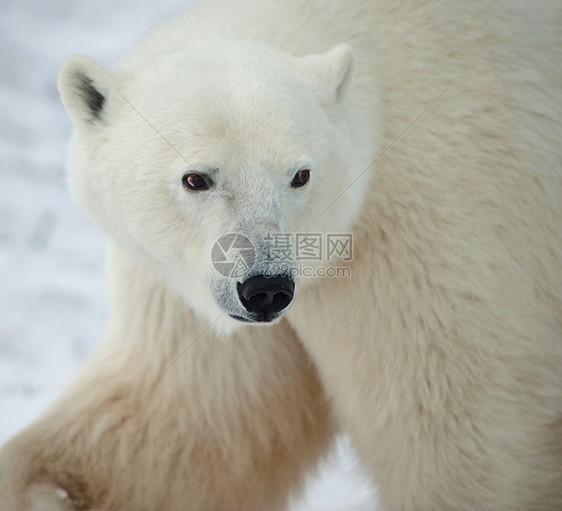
{"x":430,"y":132}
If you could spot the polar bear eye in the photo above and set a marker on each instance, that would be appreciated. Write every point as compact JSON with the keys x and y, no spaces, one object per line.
{"x":195,"y":181}
{"x":301,"y":178}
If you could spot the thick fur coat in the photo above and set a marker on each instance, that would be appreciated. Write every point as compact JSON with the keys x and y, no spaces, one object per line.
{"x":432,"y":132}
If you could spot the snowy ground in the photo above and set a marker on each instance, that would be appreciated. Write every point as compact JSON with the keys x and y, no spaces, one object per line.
{"x":52,"y":289}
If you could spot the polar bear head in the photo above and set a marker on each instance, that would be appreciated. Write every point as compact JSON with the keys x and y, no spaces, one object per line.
{"x":193,"y":161}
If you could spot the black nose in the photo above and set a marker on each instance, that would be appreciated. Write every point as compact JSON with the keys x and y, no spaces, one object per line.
{"x":266,"y":295}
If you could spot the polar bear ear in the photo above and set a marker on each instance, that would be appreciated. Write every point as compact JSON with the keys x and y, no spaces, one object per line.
{"x":85,"y":87}
{"x":329,"y":73}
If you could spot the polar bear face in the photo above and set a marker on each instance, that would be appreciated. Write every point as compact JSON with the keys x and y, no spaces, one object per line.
{"x":195,"y":156}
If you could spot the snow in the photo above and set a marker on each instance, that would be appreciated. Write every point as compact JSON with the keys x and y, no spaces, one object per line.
{"x":52,"y":291}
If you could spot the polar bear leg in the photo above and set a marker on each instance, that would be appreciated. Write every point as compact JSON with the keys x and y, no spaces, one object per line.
{"x":229,"y":423}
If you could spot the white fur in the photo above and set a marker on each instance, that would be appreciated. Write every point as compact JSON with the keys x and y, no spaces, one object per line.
{"x":441,"y":356}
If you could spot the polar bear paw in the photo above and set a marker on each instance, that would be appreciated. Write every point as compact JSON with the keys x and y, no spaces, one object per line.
{"x":44,"y":497}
